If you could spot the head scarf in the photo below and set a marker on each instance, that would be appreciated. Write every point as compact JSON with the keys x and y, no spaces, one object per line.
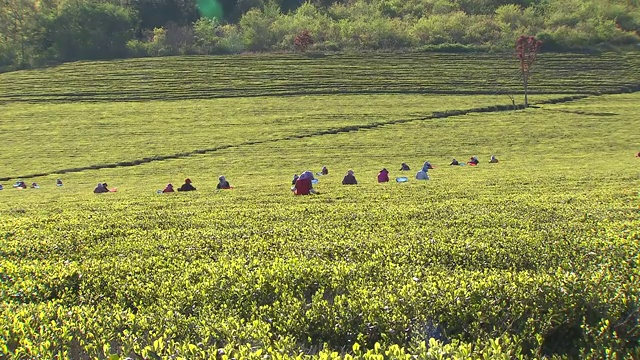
{"x":307,"y":175}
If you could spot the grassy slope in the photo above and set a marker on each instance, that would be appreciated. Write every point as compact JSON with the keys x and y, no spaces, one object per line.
{"x":62,"y":136}
{"x":108,"y":128}
{"x":527,"y":246}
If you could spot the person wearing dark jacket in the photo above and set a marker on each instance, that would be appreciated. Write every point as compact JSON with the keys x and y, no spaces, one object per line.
{"x":349,"y":179}
{"x":324,"y":171}
{"x":404,"y":167}
{"x":454,"y":162}
{"x":187,"y":186}
{"x":473,"y":161}
{"x":427,"y":166}
{"x":295,"y":178}
{"x":223,"y":183}
{"x":100,"y":188}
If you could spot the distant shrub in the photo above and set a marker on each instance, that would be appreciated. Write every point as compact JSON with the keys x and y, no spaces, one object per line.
{"x":231,"y":41}
{"x":327,"y":46}
{"x":307,"y":17}
{"x":207,"y":36}
{"x":255,"y":26}
{"x":157,"y":46}
{"x":303,"y":40}
{"x":7,"y":56}
{"x":441,"y":29}
{"x":137,"y":48}
{"x":481,"y":29}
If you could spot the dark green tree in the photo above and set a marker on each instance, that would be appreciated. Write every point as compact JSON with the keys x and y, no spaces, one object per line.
{"x":91,"y":30}
{"x":158,"y":13}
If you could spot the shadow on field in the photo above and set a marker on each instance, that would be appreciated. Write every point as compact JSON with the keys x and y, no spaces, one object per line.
{"x":578,"y":112}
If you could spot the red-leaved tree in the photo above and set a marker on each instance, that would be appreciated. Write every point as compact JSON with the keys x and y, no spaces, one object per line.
{"x":303,"y":40}
{"x":527,"y":48}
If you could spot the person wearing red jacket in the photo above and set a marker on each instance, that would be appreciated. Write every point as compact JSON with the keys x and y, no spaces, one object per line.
{"x":168,"y":189}
{"x":304,"y":186}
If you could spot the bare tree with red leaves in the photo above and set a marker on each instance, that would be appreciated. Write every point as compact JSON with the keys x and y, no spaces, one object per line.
{"x":527,"y":48}
{"x":303,"y":40}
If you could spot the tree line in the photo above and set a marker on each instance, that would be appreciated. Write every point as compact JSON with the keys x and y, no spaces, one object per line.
{"x":38,"y":32}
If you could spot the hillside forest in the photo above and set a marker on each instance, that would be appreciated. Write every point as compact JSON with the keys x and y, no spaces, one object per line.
{"x":40,"y":32}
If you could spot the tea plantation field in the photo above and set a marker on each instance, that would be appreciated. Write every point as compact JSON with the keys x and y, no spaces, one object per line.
{"x":535,"y":256}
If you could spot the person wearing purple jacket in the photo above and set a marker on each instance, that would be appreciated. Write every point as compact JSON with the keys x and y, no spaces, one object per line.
{"x":383,"y":176}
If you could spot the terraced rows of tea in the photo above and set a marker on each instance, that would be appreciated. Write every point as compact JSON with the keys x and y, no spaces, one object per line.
{"x":260,"y":75}
{"x":534,"y":256}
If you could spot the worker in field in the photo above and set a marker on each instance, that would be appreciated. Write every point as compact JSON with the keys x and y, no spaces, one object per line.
{"x":404,"y":167}
{"x":383,"y":176}
{"x":454,"y":162}
{"x":304,"y":185}
{"x":349,"y":179}
{"x":107,"y":187}
{"x":1,"y":187}
{"x":168,"y":189}
{"x":422,"y":175}
{"x":473,"y":161}
{"x":100,"y":188}
{"x":35,"y":186}
{"x":59,"y":182}
{"x":223,"y":183}
{"x":493,"y":160}
{"x":187,"y":186}
{"x":20,"y":185}
{"x":324,"y":171}
{"x":427,"y":166}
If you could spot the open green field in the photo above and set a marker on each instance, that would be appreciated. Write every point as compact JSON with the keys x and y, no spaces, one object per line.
{"x":534,"y":256}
